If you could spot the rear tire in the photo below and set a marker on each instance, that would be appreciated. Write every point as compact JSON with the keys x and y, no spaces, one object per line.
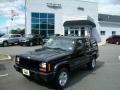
{"x":92,"y":64}
{"x":61,"y":79}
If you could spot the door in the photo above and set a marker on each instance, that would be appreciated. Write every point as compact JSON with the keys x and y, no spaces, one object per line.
{"x":74,"y":32}
{"x":79,"y":55}
{"x":13,"y":39}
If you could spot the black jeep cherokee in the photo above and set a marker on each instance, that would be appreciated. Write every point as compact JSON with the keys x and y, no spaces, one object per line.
{"x":55,"y":60}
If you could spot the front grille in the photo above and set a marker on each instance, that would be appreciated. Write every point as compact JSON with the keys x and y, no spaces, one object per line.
{"x":29,"y":64}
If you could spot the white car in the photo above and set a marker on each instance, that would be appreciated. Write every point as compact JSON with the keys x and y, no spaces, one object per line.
{"x":10,"y":39}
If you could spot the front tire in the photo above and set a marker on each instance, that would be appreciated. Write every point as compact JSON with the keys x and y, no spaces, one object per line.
{"x":31,"y":44}
{"x":62,"y":78}
{"x":5,"y":44}
{"x":92,"y":64}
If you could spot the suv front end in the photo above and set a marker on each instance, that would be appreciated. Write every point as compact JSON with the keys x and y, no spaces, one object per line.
{"x":40,"y":69}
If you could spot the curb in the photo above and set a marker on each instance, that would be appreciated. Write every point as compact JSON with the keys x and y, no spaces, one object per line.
{"x":8,"y":58}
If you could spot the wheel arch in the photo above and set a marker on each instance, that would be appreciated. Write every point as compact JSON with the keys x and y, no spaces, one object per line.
{"x":61,"y":65}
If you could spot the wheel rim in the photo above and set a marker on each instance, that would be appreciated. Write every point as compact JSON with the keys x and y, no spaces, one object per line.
{"x":63,"y":77}
{"x":31,"y":43}
{"x":5,"y":44}
{"x":93,"y":63}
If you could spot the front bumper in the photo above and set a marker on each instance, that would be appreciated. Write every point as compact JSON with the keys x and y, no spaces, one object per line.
{"x":43,"y":76}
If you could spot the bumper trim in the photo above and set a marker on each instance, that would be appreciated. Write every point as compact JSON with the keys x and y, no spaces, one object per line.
{"x":44,"y":76}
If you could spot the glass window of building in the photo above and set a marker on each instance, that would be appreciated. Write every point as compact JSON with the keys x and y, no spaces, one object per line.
{"x":82,"y":31}
{"x":113,"y":32}
{"x":43,"y":23}
{"x":35,"y":15}
{"x":102,"y":33}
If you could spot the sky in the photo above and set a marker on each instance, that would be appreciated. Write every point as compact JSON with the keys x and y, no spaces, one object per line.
{"x":104,"y":6}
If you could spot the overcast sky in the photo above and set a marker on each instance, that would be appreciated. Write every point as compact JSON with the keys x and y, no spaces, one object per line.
{"x":104,"y":6}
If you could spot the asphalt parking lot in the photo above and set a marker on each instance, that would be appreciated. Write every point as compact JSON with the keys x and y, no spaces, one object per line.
{"x":14,"y":50}
{"x":106,"y":76}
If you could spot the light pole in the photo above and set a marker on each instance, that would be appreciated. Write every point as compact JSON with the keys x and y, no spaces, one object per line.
{"x":25,"y":16}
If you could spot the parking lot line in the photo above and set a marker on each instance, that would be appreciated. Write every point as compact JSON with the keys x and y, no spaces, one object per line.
{"x":119,"y":57}
{"x":3,"y":75}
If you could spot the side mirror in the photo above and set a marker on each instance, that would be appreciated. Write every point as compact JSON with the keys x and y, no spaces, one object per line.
{"x":77,"y":49}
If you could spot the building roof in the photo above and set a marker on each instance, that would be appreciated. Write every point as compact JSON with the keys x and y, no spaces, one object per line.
{"x":108,"y":18}
{"x":79,"y":22}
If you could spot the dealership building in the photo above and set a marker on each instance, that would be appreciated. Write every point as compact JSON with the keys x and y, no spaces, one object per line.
{"x":69,"y":17}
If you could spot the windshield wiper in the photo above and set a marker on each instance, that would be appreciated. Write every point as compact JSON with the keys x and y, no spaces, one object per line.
{"x":59,"y":49}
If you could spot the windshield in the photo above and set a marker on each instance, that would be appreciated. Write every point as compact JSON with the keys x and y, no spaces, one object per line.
{"x":5,"y":36}
{"x":58,"y":43}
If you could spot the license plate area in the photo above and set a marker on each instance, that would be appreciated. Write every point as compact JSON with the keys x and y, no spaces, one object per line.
{"x":26,"y":72}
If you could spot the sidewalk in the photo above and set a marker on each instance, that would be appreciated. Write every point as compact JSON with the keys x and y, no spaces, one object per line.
{"x":101,"y":43}
{"x":4,"y":57}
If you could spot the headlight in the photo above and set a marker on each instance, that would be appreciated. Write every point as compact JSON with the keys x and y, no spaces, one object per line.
{"x":1,"y":40}
{"x":44,"y":67}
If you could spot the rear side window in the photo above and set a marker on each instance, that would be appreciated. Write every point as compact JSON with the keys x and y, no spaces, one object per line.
{"x":79,"y":45}
{"x":93,"y":43}
{"x":87,"y":44}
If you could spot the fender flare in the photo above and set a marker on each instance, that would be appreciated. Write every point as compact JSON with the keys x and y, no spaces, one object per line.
{"x":56,"y":67}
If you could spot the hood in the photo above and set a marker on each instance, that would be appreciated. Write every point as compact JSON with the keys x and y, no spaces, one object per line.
{"x":2,"y":39}
{"x":46,"y":54}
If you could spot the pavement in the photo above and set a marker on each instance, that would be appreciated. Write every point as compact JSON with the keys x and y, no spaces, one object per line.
{"x":14,"y":50}
{"x":106,"y":76}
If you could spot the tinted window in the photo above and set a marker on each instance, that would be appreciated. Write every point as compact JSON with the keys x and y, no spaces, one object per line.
{"x":87,"y":44}
{"x":102,"y":32}
{"x":35,"y":15}
{"x":16,"y":35}
{"x":43,"y":15}
{"x":35,"y":26}
{"x":44,"y":23}
{"x":50,"y":16}
{"x":35,"y":20}
{"x":79,"y":45}
{"x":57,"y":43}
{"x":35,"y":31}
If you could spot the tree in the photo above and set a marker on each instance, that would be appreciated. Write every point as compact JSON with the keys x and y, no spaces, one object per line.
{"x":18,"y":31}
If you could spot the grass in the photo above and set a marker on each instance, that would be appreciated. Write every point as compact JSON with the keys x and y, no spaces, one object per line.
{"x":3,"y":56}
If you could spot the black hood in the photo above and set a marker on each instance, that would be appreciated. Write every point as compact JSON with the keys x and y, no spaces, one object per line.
{"x":46,"y":54}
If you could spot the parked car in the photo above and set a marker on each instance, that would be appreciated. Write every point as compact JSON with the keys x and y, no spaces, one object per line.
{"x":30,"y":40}
{"x":57,"y":58}
{"x":115,"y":39}
{"x":1,"y":35}
{"x":8,"y":39}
